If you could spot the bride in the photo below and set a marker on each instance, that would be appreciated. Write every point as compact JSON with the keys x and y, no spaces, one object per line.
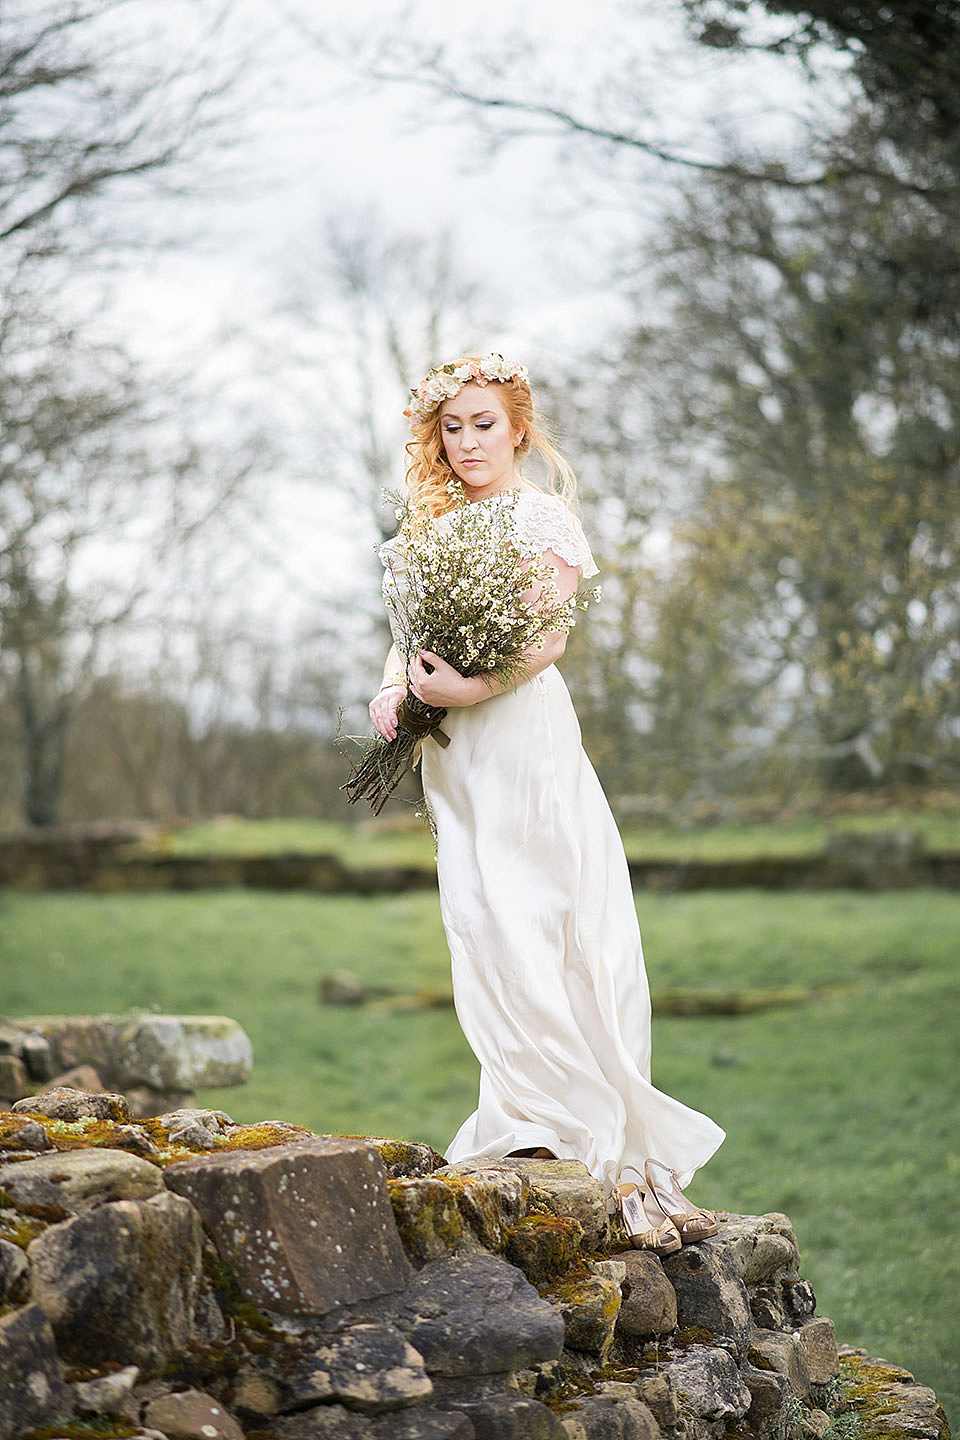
{"x":548,"y":974}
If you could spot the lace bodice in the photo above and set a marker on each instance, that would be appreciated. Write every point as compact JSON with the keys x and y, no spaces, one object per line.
{"x":542,"y":522}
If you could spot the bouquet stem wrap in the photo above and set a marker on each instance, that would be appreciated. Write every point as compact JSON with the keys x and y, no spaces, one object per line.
{"x":384,"y":763}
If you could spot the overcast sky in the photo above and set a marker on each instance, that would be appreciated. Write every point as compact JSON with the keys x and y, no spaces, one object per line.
{"x":536,"y":223}
{"x":535,"y":227}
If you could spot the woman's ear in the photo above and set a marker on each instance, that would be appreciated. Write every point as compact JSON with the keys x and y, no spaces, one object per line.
{"x":518,"y":439}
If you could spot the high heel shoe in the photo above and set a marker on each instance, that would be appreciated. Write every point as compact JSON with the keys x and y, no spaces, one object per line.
{"x":646,"y":1232}
{"x":691,"y":1222}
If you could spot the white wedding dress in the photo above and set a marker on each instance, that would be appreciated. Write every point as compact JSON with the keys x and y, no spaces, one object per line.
{"x":548,"y":974}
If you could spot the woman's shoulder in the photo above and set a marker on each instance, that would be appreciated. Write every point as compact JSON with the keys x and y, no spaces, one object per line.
{"x":545,"y":522}
{"x":393,"y":552}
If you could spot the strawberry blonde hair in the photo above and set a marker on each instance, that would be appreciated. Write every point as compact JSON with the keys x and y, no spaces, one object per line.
{"x":429,"y":471}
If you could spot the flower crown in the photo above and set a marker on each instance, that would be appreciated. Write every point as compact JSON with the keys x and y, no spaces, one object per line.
{"x":445,"y":381}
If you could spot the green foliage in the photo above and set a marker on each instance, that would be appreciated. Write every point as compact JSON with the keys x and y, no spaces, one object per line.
{"x":789,"y":1423}
{"x":843,"y":1113}
{"x":812,"y":609}
{"x":906,"y":56}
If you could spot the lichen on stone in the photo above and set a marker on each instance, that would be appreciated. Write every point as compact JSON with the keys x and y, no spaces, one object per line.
{"x":17,"y":1228}
{"x":99,"y":1428}
{"x":866,"y":1385}
{"x":543,"y":1246}
{"x":427,"y":1217}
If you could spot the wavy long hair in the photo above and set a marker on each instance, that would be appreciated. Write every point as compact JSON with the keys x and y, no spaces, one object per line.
{"x":429,"y":471}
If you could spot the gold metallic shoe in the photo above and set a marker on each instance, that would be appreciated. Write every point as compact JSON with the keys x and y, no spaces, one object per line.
{"x":691,"y":1222}
{"x":647,"y":1228}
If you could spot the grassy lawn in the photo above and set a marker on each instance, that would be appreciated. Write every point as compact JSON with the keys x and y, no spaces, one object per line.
{"x":842,"y":1112}
{"x":403,"y":840}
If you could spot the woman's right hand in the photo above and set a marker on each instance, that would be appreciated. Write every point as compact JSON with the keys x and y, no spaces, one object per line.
{"x":383,"y":710}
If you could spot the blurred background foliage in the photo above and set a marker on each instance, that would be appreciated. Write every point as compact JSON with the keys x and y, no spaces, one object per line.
{"x":766,"y":428}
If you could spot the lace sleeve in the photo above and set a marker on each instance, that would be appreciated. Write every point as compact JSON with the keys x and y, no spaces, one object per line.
{"x":392,"y":556}
{"x":544,"y":523}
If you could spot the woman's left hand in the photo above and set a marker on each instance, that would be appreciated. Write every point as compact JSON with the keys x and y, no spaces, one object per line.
{"x":442,"y":686}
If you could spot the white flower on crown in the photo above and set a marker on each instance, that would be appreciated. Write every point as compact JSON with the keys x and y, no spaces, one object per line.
{"x":446,"y":381}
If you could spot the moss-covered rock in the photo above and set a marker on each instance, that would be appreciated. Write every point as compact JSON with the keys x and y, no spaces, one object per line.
{"x":64,"y":1102}
{"x":151,"y":1139}
{"x":428,"y":1217}
{"x":490,"y":1200}
{"x":589,"y":1306}
{"x":888,"y":1400}
{"x":566,"y":1188}
{"x":403,"y":1158}
{"x":543,"y":1246}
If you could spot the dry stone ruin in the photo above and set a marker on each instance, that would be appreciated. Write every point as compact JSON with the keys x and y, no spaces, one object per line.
{"x":155,"y":1061}
{"x":183,"y":1276}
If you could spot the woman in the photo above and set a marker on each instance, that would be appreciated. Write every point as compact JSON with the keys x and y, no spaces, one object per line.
{"x":548,"y":974}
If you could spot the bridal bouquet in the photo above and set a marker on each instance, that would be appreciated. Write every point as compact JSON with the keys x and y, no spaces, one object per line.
{"x":459,"y":588}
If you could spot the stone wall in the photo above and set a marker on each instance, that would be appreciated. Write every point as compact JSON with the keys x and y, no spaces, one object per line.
{"x":106,"y":862}
{"x":155,"y":1061}
{"x":186,"y":1277}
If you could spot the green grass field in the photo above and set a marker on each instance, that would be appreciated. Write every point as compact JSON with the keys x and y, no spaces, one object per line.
{"x":400,"y":839}
{"x":842,"y":1112}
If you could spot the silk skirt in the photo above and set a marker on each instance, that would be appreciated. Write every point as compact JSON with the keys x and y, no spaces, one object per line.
{"x":548,"y":975}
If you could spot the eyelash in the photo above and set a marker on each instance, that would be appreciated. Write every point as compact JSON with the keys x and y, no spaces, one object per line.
{"x":481,"y":425}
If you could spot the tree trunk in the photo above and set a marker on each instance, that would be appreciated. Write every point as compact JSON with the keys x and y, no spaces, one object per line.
{"x":44,"y":742}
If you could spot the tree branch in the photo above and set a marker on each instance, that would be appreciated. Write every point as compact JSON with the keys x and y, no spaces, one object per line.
{"x":434,"y":79}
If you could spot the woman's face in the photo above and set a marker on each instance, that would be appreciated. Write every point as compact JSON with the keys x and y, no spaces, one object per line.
{"x":479,"y":440}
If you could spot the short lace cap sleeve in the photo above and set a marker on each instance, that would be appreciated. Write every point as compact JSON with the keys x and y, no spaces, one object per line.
{"x":544,"y":523}
{"x":393,"y":553}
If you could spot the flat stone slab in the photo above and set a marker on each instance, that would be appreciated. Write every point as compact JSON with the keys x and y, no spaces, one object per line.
{"x":306,"y":1228}
{"x":370,"y":1368}
{"x":477,"y":1315}
{"x":566,"y":1188}
{"x":708,"y":1384}
{"x":171,"y":1053}
{"x":185,"y":1052}
{"x":334,"y":1422}
{"x":76,"y":1180}
{"x":760,"y":1247}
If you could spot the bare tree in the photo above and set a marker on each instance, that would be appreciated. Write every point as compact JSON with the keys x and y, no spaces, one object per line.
{"x":372,"y":310}
{"x":100,"y":487}
{"x":101,"y":102}
{"x":376,"y":308}
{"x":96,"y":100}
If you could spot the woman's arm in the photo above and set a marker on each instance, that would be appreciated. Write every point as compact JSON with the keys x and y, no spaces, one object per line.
{"x":446,"y":687}
{"x":386,"y":702}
